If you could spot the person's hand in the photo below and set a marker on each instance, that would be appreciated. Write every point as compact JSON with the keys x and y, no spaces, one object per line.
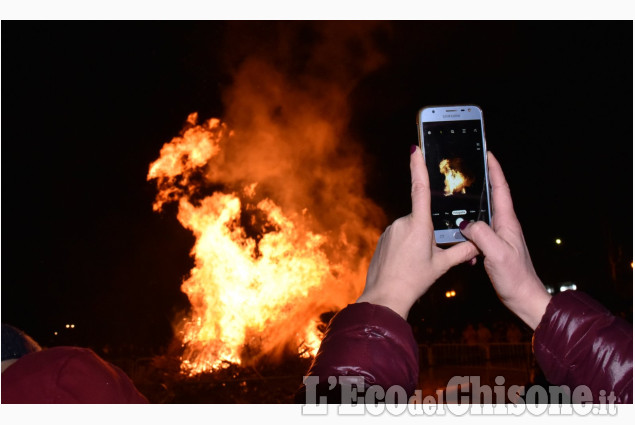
{"x":407,"y":260}
{"x":507,"y":260}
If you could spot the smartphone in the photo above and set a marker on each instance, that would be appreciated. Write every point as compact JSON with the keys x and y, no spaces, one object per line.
{"x":452,"y":139}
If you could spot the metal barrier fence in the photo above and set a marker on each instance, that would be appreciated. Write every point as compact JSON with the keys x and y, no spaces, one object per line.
{"x":503,"y":353}
{"x":486,"y":362}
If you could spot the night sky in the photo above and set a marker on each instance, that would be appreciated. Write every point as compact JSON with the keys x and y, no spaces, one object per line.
{"x":87,"y":107}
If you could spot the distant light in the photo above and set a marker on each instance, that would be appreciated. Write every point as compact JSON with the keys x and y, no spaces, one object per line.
{"x":68,"y":326}
{"x":72,"y":325}
{"x":450,"y":294}
{"x":558,"y":241}
{"x":549,"y":289}
{"x":55,"y":333}
{"x":568,"y":287}
{"x":631,"y":264}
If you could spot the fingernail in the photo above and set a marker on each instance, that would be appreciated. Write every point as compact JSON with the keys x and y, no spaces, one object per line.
{"x":413,"y":148}
{"x":463,"y":224}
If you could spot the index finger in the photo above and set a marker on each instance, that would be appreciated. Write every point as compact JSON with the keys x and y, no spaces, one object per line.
{"x":420,"y":185}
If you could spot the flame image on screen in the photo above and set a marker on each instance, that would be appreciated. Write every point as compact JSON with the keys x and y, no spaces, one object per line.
{"x":455,"y":181}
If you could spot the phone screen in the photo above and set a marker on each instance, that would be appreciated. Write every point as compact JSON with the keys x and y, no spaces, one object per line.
{"x":456,"y":165}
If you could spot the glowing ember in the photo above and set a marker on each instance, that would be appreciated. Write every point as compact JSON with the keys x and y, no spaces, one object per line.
{"x":455,"y":181}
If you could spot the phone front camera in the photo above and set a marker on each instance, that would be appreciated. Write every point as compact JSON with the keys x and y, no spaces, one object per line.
{"x":433,"y":111}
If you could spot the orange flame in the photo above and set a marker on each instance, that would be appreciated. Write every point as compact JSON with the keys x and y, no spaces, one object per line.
{"x":283,"y":229}
{"x":455,"y":181}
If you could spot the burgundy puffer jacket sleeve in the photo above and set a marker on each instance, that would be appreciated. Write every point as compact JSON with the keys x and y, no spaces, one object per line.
{"x":370,"y":341}
{"x":579,"y":342}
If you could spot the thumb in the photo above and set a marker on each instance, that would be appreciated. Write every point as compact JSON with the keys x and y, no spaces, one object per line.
{"x":483,"y":236}
{"x":420,"y":185}
{"x":457,"y":254}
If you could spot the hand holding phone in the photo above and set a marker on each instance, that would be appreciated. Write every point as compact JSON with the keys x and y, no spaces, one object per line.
{"x":407,"y":261}
{"x":507,"y":261}
{"x":452,"y":140}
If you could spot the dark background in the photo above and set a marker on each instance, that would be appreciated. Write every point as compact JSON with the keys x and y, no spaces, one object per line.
{"x":87,"y":107}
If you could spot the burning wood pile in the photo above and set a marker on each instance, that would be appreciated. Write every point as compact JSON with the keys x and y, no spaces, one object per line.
{"x":274,"y":195}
